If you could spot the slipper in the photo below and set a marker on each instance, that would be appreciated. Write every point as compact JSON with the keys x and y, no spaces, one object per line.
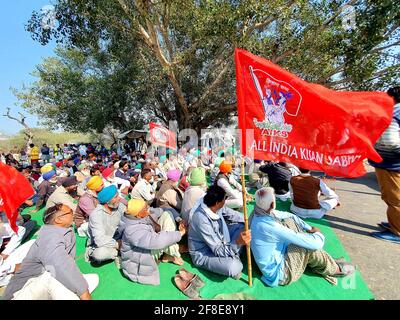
{"x":193,"y":278}
{"x":187,"y":288}
{"x":346,"y":269}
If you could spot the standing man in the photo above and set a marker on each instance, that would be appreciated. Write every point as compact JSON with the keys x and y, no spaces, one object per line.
{"x":57,"y":152}
{"x":45,"y":150}
{"x":33,"y":154}
{"x":388,"y":172}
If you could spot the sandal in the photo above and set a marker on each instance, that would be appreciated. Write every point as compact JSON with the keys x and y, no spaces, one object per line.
{"x":192,"y":278}
{"x":346,"y":269}
{"x":186,"y":287}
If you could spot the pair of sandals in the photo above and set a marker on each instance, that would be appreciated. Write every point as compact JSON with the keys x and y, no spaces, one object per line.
{"x":188,"y":283}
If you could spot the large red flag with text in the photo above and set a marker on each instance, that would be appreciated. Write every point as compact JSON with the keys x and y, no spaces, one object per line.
{"x":14,"y":190}
{"x":161,"y":136}
{"x":284,"y":118}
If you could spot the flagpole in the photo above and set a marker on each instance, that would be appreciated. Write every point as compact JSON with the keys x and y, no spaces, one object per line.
{"x":246,"y":227}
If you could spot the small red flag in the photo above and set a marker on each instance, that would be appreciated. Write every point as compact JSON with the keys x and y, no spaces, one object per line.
{"x":161,"y":136}
{"x":304,"y":123}
{"x":14,"y":190}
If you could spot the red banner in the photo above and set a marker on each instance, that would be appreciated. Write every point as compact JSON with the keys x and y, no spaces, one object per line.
{"x":14,"y":190}
{"x":161,"y":136}
{"x":284,"y":118}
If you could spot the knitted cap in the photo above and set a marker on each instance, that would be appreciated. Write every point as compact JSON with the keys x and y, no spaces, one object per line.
{"x":70,"y":181}
{"x":197,"y":177}
{"x":225,"y":167}
{"x":107,"y":194}
{"x":135,"y":206}
{"x":94,"y":183}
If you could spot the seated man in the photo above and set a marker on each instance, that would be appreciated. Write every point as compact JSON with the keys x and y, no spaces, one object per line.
{"x":278,"y":176}
{"x":169,"y":195}
{"x":65,"y":194}
{"x":305,"y":191}
{"x":144,"y":189}
{"x":215,"y":169}
{"x":196,"y":191}
{"x":46,"y":188}
{"x":148,"y":234}
{"x":49,"y":271}
{"x":283,"y":245}
{"x":103,"y":225}
{"x":232,"y":188}
{"x":216,"y":235}
{"x":87,"y":203}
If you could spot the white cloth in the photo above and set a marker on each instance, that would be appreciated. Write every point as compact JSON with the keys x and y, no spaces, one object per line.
{"x":45,"y":287}
{"x":190,"y":197}
{"x":331,"y":201}
{"x":7,"y":266}
{"x":235,"y":197}
{"x":15,"y":240}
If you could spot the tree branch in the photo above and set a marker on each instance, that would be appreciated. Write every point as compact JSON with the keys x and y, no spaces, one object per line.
{"x":324,"y":25}
{"x":386,"y":47}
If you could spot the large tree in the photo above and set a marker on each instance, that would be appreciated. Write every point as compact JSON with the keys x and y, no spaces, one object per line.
{"x":173,"y":59}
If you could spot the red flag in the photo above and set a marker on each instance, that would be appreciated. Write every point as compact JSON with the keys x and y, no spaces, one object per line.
{"x":304,"y":123}
{"x":162,"y":136}
{"x":14,"y":190}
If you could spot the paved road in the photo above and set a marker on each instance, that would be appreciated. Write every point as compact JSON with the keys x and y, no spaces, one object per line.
{"x":361,"y":210}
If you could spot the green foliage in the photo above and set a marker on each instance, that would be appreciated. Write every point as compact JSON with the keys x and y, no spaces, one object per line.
{"x":44,"y":136}
{"x":122,"y":63}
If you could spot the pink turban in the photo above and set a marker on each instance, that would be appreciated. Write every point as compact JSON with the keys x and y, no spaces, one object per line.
{"x":174,"y":175}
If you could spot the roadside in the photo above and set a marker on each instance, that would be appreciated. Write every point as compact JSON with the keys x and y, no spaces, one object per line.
{"x":361,"y":209}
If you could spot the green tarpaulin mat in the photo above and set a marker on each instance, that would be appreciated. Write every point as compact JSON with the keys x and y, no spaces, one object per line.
{"x":114,"y":286}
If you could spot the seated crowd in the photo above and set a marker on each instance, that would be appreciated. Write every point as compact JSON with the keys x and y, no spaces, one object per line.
{"x":141,"y":210}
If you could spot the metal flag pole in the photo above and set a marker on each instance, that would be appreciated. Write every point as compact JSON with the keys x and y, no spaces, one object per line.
{"x":246,"y":226}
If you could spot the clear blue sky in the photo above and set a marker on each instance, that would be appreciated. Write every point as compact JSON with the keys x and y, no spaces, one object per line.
{"x":19,"y":55}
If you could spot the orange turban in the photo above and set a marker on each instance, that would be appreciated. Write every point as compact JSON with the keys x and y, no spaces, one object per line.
{"x":225,"y":167}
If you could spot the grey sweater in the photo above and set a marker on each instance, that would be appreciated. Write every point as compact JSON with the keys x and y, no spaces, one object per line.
{"x":54,"y":251}
{"x":103,"y":226}
{"x":138,"y":240}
